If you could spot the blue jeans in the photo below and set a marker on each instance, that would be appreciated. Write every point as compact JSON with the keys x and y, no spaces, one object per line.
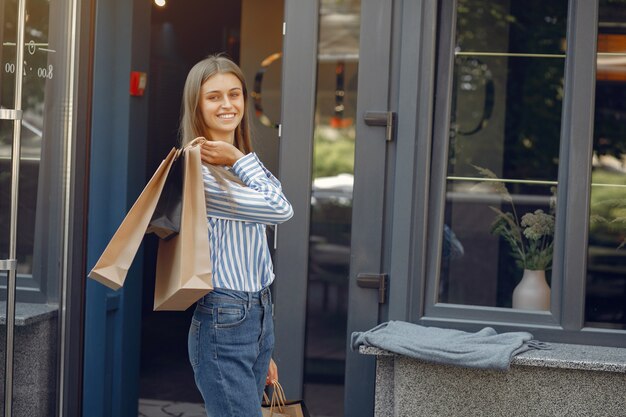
{"x":231,"y":339}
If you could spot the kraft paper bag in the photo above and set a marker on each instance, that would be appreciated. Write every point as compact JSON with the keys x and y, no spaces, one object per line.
{"x":183,"y":273}
{"x":278,"y":406}
{"x":112,"y":267}
{"x":290,"y":409}
{"x":165,"y":222}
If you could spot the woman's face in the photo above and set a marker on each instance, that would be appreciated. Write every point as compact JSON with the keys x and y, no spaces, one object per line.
{"x":222,"y":106}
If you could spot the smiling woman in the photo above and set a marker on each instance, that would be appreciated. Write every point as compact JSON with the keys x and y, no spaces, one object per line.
{"x":231,"y":337}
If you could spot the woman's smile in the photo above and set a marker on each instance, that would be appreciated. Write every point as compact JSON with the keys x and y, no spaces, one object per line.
{"x":222,"y":105}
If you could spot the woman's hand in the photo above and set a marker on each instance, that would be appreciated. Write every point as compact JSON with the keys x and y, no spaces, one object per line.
{"x":217,"y":152}
{"x":272,"y":373}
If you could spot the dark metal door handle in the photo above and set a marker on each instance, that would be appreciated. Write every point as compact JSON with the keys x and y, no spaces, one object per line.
{"x":375,"y":281}
{"x":382,"y":118}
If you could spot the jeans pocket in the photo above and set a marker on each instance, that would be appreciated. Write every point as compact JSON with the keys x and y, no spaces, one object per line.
{"x":193,"y":343}
{"x":230,"y":316}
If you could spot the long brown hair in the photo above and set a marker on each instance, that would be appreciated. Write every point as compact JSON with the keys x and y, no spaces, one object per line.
{"x":191,"y":123}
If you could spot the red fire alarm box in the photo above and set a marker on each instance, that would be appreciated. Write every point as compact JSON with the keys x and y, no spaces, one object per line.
{"x":138,"y":81}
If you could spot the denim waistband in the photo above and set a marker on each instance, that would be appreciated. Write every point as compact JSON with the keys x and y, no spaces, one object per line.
{"x":262,"y":297}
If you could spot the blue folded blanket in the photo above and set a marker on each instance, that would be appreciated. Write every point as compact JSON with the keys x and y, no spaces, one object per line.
{"x":484,"y":349}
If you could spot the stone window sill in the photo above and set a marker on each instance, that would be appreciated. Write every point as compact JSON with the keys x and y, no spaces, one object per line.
{"x":564,"y":356}
{"x":27,"y":314}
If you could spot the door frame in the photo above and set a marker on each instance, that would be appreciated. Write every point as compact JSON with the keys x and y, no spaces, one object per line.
{"x":299,"y":78}
{"x":373,"y":168}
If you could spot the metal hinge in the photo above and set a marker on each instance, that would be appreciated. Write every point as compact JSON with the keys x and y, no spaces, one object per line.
{"x":375,"y":281}
{"x":382,"y":118}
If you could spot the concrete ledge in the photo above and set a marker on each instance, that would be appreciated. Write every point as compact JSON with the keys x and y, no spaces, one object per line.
{"x":569,"y":380}
{"x":586,"y":358}
{"x":29,"y":313}
{"x":35,"y":359}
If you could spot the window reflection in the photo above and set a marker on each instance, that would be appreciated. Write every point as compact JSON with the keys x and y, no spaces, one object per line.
{"x":331,"y":206}
{"x":507,"y":96}
{"x":606,"y":265}
{"x":37,"y":71}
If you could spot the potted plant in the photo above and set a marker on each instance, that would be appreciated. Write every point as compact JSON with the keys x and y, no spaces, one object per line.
{"x":531,"y":240}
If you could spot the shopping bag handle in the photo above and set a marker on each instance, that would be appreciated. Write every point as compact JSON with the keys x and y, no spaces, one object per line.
{"x":197,"y":141}
{"x":278,"y":398}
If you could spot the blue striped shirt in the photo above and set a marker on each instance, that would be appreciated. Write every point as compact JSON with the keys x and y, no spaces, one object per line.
{"x":237,"y":218}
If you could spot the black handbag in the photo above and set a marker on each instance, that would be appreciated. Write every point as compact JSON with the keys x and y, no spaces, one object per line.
{"x":165,"y":222}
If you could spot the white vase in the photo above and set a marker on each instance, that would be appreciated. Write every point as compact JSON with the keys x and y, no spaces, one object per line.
{"x":532,"y":292}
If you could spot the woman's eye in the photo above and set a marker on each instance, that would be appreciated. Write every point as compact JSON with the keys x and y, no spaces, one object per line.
{"x":234,"y":95}
{"x":213,"y":98}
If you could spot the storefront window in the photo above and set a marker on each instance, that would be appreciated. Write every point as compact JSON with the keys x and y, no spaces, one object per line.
{"x":41,"y":87}
{"x":39,"y":71}
{"x":606,"y":259}
{"x":503,"y":148}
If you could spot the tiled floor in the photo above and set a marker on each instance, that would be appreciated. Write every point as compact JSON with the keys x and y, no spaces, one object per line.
{"x":157,"y":408}
{"x":324,"y":401}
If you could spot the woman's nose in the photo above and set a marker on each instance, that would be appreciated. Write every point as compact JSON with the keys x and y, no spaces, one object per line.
{"x":226,"y":102}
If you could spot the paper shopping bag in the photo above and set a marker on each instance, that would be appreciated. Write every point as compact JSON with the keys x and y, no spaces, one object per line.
{"x":183,"y":273}
{"x":112,"y":267}
{"x":279,"y":406}
{"x":290,"y":409}
{"x":165,"y":222}
{"x":268,"y":411}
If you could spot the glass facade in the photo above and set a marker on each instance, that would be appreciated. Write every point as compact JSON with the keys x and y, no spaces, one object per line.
{"x":605,"y":304}
{"x":38,"y":69}
{"x":502,"y":162}
{"x":503,"y":148}
{"x":39,"y":88}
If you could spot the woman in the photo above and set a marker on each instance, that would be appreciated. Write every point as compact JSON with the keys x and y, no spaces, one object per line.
{"x":231,"y":337}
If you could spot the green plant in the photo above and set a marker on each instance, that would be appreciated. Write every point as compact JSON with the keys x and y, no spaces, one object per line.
{"x":611,"y":224}
{"x":531,"y":236}
{"x":607,"y":221}
{"x":333,"y":155}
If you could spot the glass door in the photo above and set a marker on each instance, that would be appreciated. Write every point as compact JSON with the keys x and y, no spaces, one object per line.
{"x":11,"y":113}
{"x":333,"y":169}
{"x":331,"y":206}
{"x":36,"y":105}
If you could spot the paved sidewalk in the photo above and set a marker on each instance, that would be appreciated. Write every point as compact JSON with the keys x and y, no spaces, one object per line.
{"x":157,"y":408}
